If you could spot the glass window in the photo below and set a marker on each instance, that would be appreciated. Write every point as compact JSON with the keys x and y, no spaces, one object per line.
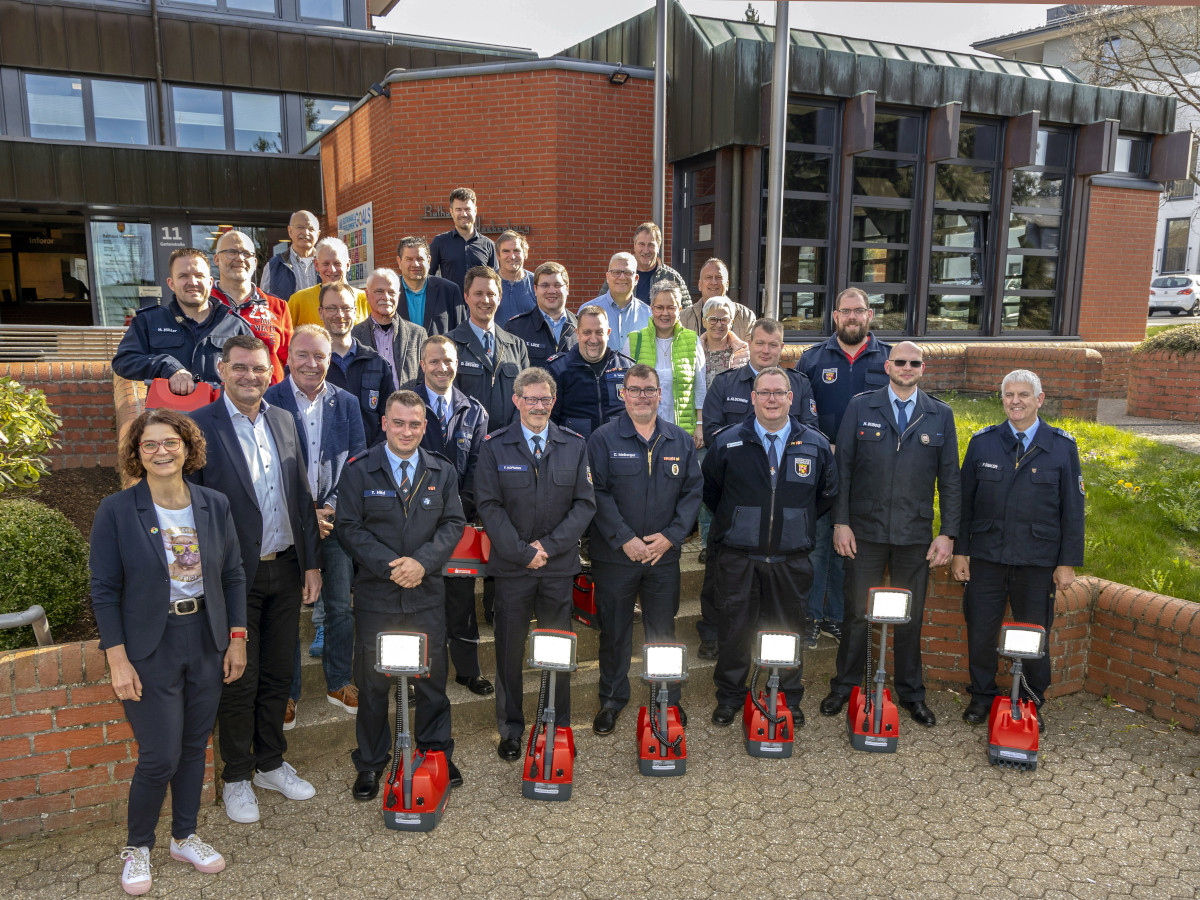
{"x":326,"y":10}
{"x":802,"y":265}
{"x":806,"y":172}
{"x":1053,"y":148}
{"x":878,"y":265}
{"x":1176,"y":246}
{"x":1030,"y":273}
{"x":810,"y":125}
{"x":258,"y":6}
{"x":954,"y":312}
{"x":199,"y":118}
{"x":1034,"y":232}
{"x":880,"y":226}
{"x":978,"y":141}
{"x":1027,"y":313}
{"x":320,"y":114}
{"x":896,"y":133}
{"x":964,"y":184}
{"x":1133,"y":156}
{"x":120,"y":112}
{"x":958,"y":230}
{"x":806,"y":219}
{"x":1040,"y":189}
{"x":257,"y":123}
{"x":956,"y":268}
{"x":55,"y":107}
{"x":802,"y":310}
{"x":123,"y":256}
{"x":883,"y":177}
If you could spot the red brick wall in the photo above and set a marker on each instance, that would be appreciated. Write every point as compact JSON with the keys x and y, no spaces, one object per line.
{"x":81,"y":393}
{"x":1165,"y":385}
{"x":1118,"y":264}
{"x":66,"y":752}
{"x":566,"y":153}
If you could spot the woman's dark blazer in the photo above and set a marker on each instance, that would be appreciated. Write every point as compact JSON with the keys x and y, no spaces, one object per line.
{"x":130,"y":585}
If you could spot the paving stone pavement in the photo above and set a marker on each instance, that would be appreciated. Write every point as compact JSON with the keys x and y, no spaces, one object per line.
{"x":1113,"y":810}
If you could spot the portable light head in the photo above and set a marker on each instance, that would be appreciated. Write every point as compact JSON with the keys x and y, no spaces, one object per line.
{"x":1020,"y":640}
{"x":665,"y":662}
{"x":779,"y":649}
{"x":550,"y":649}
{"x":889,"y":606}
{"x":401,"y":653}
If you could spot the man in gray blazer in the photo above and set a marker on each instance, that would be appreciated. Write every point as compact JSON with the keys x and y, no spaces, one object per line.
{"x":396,"y":339}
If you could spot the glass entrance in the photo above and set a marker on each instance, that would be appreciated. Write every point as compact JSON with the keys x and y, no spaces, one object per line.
{"x":44,"y":274}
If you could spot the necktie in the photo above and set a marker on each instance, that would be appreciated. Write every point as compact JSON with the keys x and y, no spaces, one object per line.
{"x":405,"y":484}
{"x":1021,"y":441}
{"x":537,"y":446}
{"x":441,"y":410}
{"x":487,"y":344}
{"x":773,"y":455}
{"x":902,"y":414}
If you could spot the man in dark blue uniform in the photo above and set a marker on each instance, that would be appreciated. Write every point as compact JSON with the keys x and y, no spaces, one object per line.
{"x":895,"y":446}
{"x":181,"y":341}
{"x":533,"y":490}
{"x":1021,"y":535}
{"x":549,"y":328}
{"x":455,"y":427}
{"x":728,"y":402}
{"x":848,"y":363}
{"x":648,"y":488}
{"x":766,"y":481}
{"x":590,"y":376}
{"x":400,"y":517}
{"x":353,"y":366}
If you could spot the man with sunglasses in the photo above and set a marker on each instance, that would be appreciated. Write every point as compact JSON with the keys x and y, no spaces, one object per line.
{"x":895,"y":445}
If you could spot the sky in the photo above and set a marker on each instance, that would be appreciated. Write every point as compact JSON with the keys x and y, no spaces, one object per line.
{"x":548,"y":26}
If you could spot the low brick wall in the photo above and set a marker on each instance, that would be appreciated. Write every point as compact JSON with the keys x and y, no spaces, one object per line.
{"x":66,"y":751}
{"x":81,"y":393}
{"x":1165,"y":385}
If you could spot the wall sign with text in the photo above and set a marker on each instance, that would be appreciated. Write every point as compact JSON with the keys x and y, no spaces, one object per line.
{"x":354,"y":227}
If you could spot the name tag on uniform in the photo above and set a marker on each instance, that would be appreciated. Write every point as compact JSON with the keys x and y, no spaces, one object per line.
{"x":671,"y":459}
{"x":871,"y":425}
{"x":617,"y":454}
{"x":162,"y":329}
{"x":467,"y":364}
{"x":737,"y":400}
{"x":733,"y":444}
{"x":513,"y":468}
{"x":379,"y":493}
{"x":988,"y":465}
{"x":534,"y":344}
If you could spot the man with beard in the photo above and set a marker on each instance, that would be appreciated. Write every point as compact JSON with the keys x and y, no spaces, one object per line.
{"x":453,"y":253}
{"x":894,"y":447}
{"x":848,"y":363}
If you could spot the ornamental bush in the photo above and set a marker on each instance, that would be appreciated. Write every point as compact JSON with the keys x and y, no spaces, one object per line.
{"x":43,"y":560}
{"x":1180,"y":339}
{"x":27,"y":428}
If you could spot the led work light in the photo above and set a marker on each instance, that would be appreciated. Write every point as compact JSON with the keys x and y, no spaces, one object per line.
{"x":401,"y":653}
{"x":888,"y":605}
{"x":553,"y":650}
{"x":665,"y":662}
{"x":1021,"y":641}
{"x":778,"y":649}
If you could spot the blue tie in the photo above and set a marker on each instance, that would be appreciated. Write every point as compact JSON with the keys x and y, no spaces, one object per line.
{"x":537,"y":446}
{"x":441,"y":410}
{"x":773,"y":455}
{"x":1021,"y":440}
{"x":405,"y":484}
{"x":487,"y":344}
{"x":902,"y":414}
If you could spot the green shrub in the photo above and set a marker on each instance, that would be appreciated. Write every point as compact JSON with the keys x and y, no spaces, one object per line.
{"x":1182,"y":339}
{"x":27,"y":428}
{"x":43,"y":560}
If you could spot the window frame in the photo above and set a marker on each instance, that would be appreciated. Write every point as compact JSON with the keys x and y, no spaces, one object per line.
{"x":89,"y":108}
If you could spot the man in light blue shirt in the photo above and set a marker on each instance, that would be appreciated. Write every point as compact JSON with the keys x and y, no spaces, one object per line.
{"x":626,"y":313}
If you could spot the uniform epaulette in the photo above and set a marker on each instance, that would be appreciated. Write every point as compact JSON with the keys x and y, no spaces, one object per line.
{"x":440,"y":456}
{"x":488,"y":437}
{"x":554,"y":358}
{"x":984,"y":430}
{"x":1070,"y":437}
{"x":623,"y":355}
{"x":570,"y":432}
{"x":352,"y":460}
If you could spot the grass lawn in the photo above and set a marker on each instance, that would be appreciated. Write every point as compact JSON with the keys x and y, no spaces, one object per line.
{"x":1143,"y":502}
{"x":1152,"y":330}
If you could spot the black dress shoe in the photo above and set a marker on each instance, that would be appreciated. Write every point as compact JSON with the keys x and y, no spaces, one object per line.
{"x":366,"y":786}
{"x":509,"y":750}
{"x":797,"y":717}
{"x":833,"y":703}
{"x":682,"y":716}
{"x":1041,"y":723}
{"x":455,"y":775}
{"x":724,"y":715}
{"x":476,"y":684}
{"x":921,"y":713}
{"x":708,"y":650}
{"x":977,"y":713}
{"x":703,"y":555}
{"x":606,"y":720}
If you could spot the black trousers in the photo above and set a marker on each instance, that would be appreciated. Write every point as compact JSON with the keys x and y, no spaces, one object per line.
{"x":518,"y":599}
{"x":618,"y":586}
{"x":372,"y":725}
{"x":706,"y":627}
{"x":181,"y":689}
{"x":462,"y":626}
{"x":908,"y":569}
{"x":250,"y":719}
{"x":1030,"y":591}
{"x":753,"y":595}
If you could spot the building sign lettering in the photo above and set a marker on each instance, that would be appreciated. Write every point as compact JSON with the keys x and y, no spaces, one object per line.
{"x":436,"y":211}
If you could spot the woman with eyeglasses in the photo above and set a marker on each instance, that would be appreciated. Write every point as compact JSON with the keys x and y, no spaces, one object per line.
{"x":723,"y":350}
{"x":677,"y":355}
{"x":169,"y":596}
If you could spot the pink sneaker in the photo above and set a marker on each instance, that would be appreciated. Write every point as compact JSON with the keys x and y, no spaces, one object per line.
{"x":193,"y":850}
{"x":135,"y":877}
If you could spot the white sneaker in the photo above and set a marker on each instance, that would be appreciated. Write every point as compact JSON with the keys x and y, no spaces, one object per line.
{"x":286,"y":781}
{"x":240,"y":803}
{"x":201,"y":855}
{"x":135,"y":877}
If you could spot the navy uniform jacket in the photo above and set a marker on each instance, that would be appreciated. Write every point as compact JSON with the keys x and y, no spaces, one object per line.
{"x":490,"y":382}
{"x":161,"y":341}
{"x":369,"y":379}
{"x":728,"y":399}
{"x":886,"y":480}
{"x":445,"y":308}
{"x":835,"y":380}
{"x":376,"y":526}
{"x":754,"y":519}
{"x":586,"y":400}
{"x":1022,"y":512}
{"x":534,"y":330}
{"x":642,"y":488}
{"x":460,"y":441}
{"x":521,"y":499}
{"x":226,"y":471}
{"x":130,"y":584}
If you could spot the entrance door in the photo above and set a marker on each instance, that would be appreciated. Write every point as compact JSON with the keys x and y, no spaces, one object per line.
{"x":44,"y":274}
{"x":695,"y":221}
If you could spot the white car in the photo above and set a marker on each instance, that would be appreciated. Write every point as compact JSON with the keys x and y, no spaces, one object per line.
{"x":1176,"y":294}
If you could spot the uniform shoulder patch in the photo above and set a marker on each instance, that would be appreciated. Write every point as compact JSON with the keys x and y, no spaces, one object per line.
{"x":1070,"y":437}
{"x":352,"y":460}
{"x":984,"y":430}
{"x":488,"y":437}
{"x":570,"y":432}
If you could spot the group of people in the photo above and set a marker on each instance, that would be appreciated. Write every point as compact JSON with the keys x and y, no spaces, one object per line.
{"x":360,"y":431}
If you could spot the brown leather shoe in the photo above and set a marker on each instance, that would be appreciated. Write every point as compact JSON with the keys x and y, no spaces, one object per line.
{"x":289,"y":715}
{"x":346,"y":698}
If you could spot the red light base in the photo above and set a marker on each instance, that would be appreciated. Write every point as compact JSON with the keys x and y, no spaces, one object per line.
{"x":561,"y":767}
{"x":859,"y":723}
{"x":430,"y":791}
{"x":758,"y":729}
{"x":651,"y":758}
{"x":583,"y":601}
{"x":1013,"y":743}
{"x":159,"y":395}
